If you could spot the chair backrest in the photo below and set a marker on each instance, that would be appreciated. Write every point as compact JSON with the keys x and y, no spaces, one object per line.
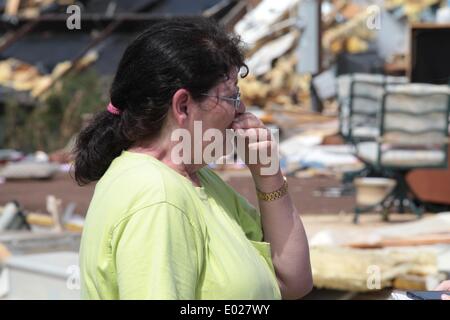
{"x":415,"y":116}
{"x":359,"y":97}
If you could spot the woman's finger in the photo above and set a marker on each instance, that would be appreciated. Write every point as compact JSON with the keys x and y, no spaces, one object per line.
{"x":258,"y":153}
{"x":246,"y":121}
{"x":254,"y":134}
{"x":268,"y":148}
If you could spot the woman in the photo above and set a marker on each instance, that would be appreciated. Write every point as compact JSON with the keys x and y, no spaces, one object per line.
{"x":160,"y":228}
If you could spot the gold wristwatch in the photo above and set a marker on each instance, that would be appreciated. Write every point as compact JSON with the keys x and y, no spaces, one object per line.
{"x":274,"y":195}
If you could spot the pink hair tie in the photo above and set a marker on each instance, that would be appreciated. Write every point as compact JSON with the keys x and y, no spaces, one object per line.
{"x":113,"y":109}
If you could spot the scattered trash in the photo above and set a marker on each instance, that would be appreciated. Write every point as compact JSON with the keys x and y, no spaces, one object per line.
{"x":12,"y":218}
{"x":4,"y":253}
{"x":29,"y":170}
{"x":335,"y":192}
{"x":54,"y":208}
{"x":7,"y":155}
{"x":259,"y":23}
{"x":261,"y":62}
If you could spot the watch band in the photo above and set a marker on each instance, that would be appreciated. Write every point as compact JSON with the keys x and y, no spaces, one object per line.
{"x":274,"y":195}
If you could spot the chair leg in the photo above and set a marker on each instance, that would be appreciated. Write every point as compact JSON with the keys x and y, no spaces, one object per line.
{"x":385,"y":214}
{"x":356,"y":216}
{"x":417,"y":210}
{"x":403,"y":193}
{"x":402,"y":197}
{"x":359,"y":210}
{"x":386,"y":205}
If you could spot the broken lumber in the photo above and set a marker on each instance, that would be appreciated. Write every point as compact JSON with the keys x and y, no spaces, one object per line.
{"x":421,"y":240}
{"x":4,"y":253}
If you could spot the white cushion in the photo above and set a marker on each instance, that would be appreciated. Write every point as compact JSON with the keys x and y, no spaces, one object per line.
{"x":368,"y":151}
{"x":419,"y":89}
{"x":365,"y":132}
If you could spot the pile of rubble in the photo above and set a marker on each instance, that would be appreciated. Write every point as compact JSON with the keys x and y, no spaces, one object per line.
{"x":272,"y":31}
{"x":22,"y":76}
{"x":409,"y":256}
{"x":33,"y":8}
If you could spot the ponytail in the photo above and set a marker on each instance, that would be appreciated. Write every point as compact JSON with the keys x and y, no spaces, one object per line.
{"x":96,"y":147}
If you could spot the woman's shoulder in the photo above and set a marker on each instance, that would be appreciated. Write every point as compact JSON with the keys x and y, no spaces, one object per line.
{"x":130,"y":185}
{"x":131,"y":174}
{"x":144,"y":180}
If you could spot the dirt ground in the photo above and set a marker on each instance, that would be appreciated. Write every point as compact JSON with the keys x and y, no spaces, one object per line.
{"x":32,"y":194}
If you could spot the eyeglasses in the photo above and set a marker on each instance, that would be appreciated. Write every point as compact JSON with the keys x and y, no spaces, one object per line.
{"x":236,"y":101}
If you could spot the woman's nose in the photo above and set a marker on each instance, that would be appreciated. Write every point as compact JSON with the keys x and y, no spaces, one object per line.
{"x":241,"y":108}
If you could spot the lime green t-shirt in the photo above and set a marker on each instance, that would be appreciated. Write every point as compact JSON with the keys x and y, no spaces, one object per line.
{"x":150,"y":234}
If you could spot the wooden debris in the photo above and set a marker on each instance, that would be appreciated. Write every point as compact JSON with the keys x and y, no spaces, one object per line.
{"x":18,"y":75}
{"x":259,"y":22}
{"x":31,"y":8}
{"x":261,"y":61}
{"x":59,"y":71}
{"x":22,"y":76}
{"x":356,"y":270}
{"x":40,"y":219}
{"x":355,"y":27}
{"x":405,"y":242}
{"x":427,"y":231}
{"x":411,"y":8}
{"x":356,"y":45}
{"x":44,"y":220}
{"x":279,"y":86}
{"x":328,"y":20}
{"x":54,"y":208}
{"x":12,"y":7}
{"x":4,"y":253}
{"x":350,"y":10}
{"x":417,"y":282}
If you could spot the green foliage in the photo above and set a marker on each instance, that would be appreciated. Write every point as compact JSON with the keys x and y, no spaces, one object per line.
{"x":52,"y":122}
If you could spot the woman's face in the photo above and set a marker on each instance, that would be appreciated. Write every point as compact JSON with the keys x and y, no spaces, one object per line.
{"x":216,"y":112}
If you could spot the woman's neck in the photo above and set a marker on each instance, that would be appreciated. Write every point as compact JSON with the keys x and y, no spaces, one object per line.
{"x":163,"y":152}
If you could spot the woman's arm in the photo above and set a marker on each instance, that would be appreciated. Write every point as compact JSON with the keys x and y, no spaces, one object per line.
{"x":284,"y":230}
{"x":281,"y":223}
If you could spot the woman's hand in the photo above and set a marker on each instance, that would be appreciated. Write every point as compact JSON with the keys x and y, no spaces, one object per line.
{"x":256,"y":146}
{"x":281,"y":223}
{"x":444,"y":286}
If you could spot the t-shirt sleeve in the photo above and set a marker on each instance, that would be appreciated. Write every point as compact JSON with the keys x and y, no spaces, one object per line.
{"x":157,"y":254}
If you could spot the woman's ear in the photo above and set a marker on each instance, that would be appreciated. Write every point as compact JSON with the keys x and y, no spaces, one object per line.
{"x":181,"y":106}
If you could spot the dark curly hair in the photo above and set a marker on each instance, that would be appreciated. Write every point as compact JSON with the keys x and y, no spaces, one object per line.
{"x":190,"y":53}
